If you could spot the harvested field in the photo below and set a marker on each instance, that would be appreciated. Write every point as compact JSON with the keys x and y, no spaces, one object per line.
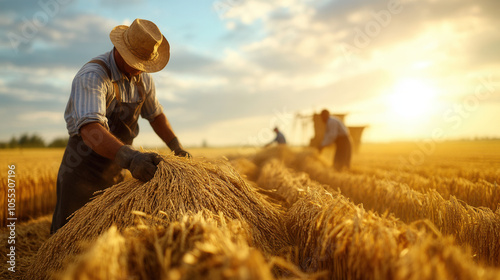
{"x":335,"y":235}
{"x":279,"y":214}
{"x":477,"y":227}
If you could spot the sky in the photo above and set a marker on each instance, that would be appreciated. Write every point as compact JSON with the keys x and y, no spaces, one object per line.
{"x":423,"y":70}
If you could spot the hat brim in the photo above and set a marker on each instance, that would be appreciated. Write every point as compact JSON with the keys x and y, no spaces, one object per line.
{"x":148,"y":66}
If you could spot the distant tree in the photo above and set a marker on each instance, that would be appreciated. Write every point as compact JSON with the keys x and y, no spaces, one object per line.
{"x":59,"y":143}
{"x":13,"y":142}
{"x":23,"y":140}
{"x":33,"y":141}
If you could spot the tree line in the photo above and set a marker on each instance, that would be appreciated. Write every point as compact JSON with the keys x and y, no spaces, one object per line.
{"x":32,"y":141}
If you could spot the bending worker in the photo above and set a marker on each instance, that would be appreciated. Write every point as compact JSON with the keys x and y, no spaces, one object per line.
{"x":280,"y":138}
{"x":336,"y":132}
{"x":107,"y":96}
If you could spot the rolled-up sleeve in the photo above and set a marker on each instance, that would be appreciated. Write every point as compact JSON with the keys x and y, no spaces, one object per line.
{"x":151,"y":107}
{"x":87,"y":102}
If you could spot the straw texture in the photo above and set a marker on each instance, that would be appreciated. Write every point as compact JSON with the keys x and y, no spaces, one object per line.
{"x":180,"y":187}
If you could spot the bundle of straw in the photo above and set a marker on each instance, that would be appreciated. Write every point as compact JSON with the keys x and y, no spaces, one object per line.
{"x":274,"y":176}
{"x":335,"y":235}
{"x":477,"y":227}
{"x":180,"y":186}
{"x":245,"y":167}
{"x":440,"y":259}
{"x":193,"y":248}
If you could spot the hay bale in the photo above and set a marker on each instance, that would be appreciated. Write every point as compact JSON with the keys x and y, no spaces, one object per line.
{"x":335,"y":235}
{"x":477,"y":227}
{"x":180,"y":186}
{"x":245,"y":167}
{"x":201,"y":246}
{"x":440,"y":259}
{"x":105,"y":259}
{"x":275,"y":177}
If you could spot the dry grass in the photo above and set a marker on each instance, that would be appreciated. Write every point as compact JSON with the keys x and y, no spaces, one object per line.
{"x":476,"y":192}
{"x":200,"y":219}
{"x":180,"y":187}
{"x":334,"y":235}
{"x":36,"y":175}
{"x":202,"y":246}
{"x":29,"y":237}
{"x":35,"y":180}
{"x":478,"y":228}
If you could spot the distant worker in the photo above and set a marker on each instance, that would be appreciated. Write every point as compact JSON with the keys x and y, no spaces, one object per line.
{"x":336,"y":132}
{"x":280,"y":138}
{"x":107,"y":96}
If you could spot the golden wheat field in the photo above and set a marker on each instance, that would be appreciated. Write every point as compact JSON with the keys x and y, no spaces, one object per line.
{"x":404,"y":211}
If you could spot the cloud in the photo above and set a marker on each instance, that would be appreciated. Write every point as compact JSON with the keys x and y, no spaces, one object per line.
{"x":42,"y":117}
{"x":117,"y":4}
{"x":306,"y":36}
{"x":185,"y":60}
{"x":36,"y":78}
{"x":298,"y":54}
{"x":68,"y":40}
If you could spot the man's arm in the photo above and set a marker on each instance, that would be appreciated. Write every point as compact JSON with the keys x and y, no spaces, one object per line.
{"x":164,"y":130}
{"x":274,"y":140}
{"x":100,"y":140}
{"x":142,"y":166}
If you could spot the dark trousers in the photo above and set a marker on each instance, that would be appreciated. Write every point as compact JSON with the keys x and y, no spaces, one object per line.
{"x":343,"y":152}
{"x":81,"y":174}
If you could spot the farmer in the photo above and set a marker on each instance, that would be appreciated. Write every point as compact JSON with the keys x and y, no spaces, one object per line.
{"x":280,"y":138}
{"x":336,"y":132}
{"x":107,"y":96}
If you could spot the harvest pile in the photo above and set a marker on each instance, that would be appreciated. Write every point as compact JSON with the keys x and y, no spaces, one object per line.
{"x":180,"y":187}
{"x":194,"y":247}
{"x":279,"y":214}
{"x":335,"y":235}
{"x":477,"y":227}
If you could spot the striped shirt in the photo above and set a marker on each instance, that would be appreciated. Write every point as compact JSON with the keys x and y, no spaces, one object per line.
{"x":334,"y":128}
{"x":93,"y":99}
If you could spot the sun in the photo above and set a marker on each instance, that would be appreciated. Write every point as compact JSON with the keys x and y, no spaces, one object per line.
{"x":412,"y":99}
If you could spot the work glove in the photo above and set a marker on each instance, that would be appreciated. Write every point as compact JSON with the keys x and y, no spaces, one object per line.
{"x":141,"y":165}
{"x":176,"y":147}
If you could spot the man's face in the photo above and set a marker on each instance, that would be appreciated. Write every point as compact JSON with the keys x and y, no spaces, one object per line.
{"x":130,"y":70}
{"x":126,"y":69}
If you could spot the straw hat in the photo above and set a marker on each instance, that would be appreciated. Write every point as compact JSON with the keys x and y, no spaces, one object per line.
{"x":141,"y":45}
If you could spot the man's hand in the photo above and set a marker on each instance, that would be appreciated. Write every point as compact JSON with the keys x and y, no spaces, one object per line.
{"x":141,"y":165}
{"x":176,"y":147}
{"x":162,"y":127}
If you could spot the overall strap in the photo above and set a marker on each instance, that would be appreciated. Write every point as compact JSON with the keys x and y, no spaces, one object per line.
{"x":108,"y":71}
{"x":140,"y":88}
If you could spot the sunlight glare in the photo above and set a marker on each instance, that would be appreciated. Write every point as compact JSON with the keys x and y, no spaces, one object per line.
{"x":412,"y":99}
